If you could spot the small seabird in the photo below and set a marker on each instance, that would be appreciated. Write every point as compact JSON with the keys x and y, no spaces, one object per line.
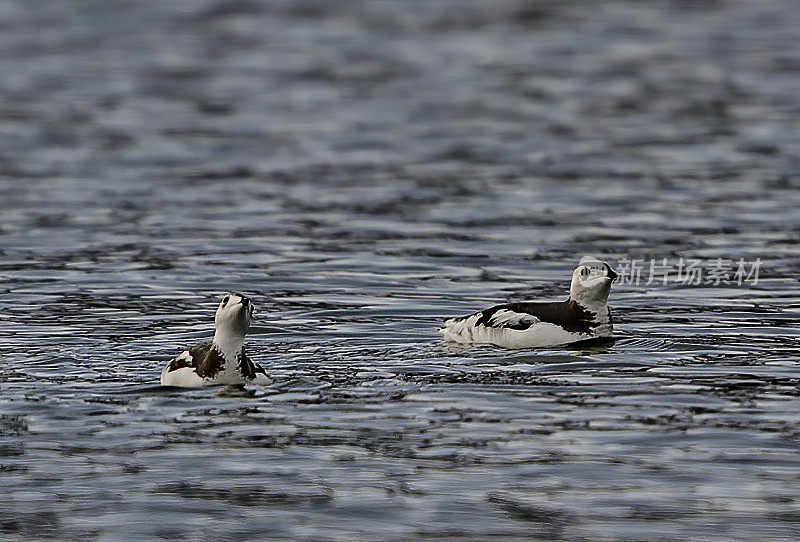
{"x":583,"y":316}
{"x":222,"y":361}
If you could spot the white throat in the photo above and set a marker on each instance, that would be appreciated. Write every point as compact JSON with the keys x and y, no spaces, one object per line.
{"x":229,"y":343}
{"x":590,"y":295}
{"x":599,"y":309}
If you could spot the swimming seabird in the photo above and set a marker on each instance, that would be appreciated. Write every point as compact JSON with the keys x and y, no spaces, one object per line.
{"x":583,"y":316}
{"x":222,"y":361}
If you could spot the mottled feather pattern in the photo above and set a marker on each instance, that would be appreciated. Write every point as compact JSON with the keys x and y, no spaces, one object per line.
{"x":208,"y":362}
{"x":191,"y":357}
{"x":213,"y":363}
{"x":247,"y":367}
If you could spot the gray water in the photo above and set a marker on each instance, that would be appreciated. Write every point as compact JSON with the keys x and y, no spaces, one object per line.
{"x":363,"y":170}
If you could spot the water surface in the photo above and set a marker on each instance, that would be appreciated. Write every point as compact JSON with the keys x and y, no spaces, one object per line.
{"x":363,"y":170}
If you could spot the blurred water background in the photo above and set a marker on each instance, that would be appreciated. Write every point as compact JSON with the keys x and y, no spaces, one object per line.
{"x":362,"y":170}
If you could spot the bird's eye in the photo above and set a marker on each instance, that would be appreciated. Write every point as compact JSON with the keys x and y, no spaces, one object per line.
{"x":225,"y":301}
{"x":585,"y":272}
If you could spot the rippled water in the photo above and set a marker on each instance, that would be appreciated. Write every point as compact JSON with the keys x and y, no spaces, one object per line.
{"x":363,"y":170}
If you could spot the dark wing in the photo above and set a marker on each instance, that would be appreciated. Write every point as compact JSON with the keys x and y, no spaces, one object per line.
{"x":504,"y":316}
{"x":566,"y":314}
{"x":248,"y":368}
{"x":211,"y":363}
{"x":191,"y":357}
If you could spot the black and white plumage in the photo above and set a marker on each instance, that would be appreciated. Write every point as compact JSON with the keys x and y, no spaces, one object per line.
{"x":222,"y":361}
{"x":583,"y":316}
